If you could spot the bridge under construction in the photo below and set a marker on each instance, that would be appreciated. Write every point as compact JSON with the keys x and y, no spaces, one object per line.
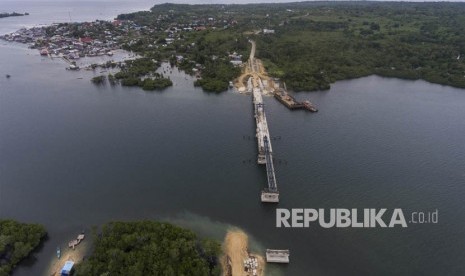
{"x":265,"y":151}
{"x":254,"y":80}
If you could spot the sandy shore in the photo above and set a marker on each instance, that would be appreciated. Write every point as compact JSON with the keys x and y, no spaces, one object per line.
{"x":67,"y":254}
{"x":235,"y":248}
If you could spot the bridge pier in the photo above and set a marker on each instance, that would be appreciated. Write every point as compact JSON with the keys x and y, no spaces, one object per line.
{"x":269,"y":197}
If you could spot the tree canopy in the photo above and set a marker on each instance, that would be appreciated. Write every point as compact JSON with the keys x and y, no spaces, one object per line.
{"x":150,"y":248}
{"x":17,"y":241}
{"x":313,"y":44}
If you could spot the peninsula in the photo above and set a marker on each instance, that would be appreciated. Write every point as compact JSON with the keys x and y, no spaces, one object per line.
{"x":17,"y":241}
{"x":5,"y":14}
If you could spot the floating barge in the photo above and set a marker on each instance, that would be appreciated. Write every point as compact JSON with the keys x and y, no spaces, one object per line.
{"x":290,"y":102}
{"x":277,"y":256}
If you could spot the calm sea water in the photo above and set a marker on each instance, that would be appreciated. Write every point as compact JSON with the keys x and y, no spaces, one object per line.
{"x":73,"y":155}
{"x":54,"y":11}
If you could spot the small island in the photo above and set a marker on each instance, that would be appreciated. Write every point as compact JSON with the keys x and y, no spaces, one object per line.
{"x":17,"y":241}
{"x":5,"y":14}
{"x":139,"y":72}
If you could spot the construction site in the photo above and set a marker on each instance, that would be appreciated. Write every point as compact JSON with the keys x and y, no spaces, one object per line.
{"x":237,"y":259}
{"x":254,"y":75}
{"x":255,"y":80}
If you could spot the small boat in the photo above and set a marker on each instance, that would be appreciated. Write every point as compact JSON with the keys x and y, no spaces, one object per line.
{"x":8,"y":76}
{"x":58,"y":252}
{"x":73,"y":67}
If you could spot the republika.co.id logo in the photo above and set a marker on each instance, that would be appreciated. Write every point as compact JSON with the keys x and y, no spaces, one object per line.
{"x":341,"y":218}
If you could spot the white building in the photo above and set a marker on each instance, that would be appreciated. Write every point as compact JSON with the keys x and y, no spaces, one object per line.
{"x":268,"y":31}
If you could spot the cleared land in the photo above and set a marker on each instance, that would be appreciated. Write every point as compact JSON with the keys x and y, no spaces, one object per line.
{"x":236,"y":248}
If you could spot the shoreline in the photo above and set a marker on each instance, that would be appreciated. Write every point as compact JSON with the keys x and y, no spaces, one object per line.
{"x":76,"y":255}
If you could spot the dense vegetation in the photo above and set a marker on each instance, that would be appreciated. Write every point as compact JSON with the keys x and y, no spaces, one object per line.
{"x":150,"y":248}
{"x":98,"y":79}
{"x":314,"y":44}
{"x":205,"y":50}
{"x":141,"y":72}
{"x":5,"y":14}
{"x":331,"y":42}
{"x":216,"y":75}
{"x":17,"y":240}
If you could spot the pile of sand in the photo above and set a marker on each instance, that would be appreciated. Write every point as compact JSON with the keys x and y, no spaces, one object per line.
{"x":235,"y":247}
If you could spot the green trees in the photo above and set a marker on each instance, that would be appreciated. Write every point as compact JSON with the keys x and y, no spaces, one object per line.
{"x":99,"y":79}
{"x":141,"y":72}
{"x":314,"y":45}
{"x":212,"y":84}
{"x":317,"y":47}
{"x":216,"y":75}
{"x":5,"y":14}
{"x":111,"y":79}
{"x":150,"y":248}
{"x":156,"y":83}
{"x":17,"y":240}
